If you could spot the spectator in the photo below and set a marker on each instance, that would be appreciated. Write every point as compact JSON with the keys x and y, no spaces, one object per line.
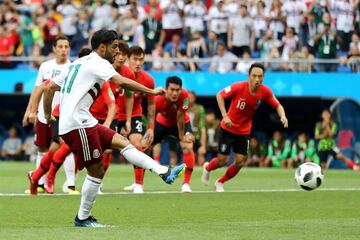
{"x":353,"y":59}
{"x":294,"y":10}
{"x":196,"y":48}
{"x":306,"y":61}
{"x":344,"y":11}
{"x":152,"y":31}
{"x":232,"y":8}
{"x":113,"y":22}
{"x":278,"y":151}
{"x":241,"y":34}
{"x":326,"y":49}
{"x":172,"y":19}
{"x":69,"y":16}
{"x":6,"y":47}
{"x":81,"y":37}
{"x":355,"y":41}
{"x":260,"y":16}
{"x":176,"y":50}
{"x":50,"y":29}
{"x":290,"y":41}
{"x":128,"y":25}
{"x":223,"y":61}
{"x":212,"y":44}
{"x":11,"y":149}
{"x":24,"y":29}
{"x":303,"y":150}
{"x":276,"y":19}
{"x":154,"y":7}
{"x":318,"y":9}
{"x":157,"y":59}
{"x":212,"y":125}
{"x":100,"y":12}
{"x":244,"y":64}
{"x":309,"y":31}
{"x":218,"y":21}
{"x":194,"y":17}
{"x":271,"y":61}
{"x":256,"y":153}
{"x":267,"y":42}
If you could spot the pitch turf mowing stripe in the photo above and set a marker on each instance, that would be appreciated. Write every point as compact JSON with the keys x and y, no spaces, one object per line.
{"x":193,"y":192}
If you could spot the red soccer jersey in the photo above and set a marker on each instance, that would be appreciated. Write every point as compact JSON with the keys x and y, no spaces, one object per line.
{"x":145,"y":79}
{"x":243,"y":105}
{"x":125,"y":71}
{"x":99,"y":109}
{"x":167,"y":111}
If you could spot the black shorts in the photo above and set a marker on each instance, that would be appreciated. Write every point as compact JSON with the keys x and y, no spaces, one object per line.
{"x":113,"y":125}
{"x":161,"y":131}
{"x":136,"y":126}
{"x":239,"y":143}
{"x":55,"y":129}
{"x":324,"y":155}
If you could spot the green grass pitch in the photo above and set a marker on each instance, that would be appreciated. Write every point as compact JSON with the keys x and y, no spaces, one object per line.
{"x":259,"y":204}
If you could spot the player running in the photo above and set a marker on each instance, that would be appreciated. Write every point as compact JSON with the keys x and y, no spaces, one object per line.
{"x":34,"y":111}
{"x":236,"y":123}
{"x":80,"y":130}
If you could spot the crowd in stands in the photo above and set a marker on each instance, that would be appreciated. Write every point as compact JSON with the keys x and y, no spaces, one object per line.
{"x":199,"y":35}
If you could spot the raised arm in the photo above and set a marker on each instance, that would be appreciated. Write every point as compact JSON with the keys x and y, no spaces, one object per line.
{"x":134,"y":86}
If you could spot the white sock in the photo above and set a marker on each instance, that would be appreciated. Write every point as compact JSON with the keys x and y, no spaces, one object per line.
{"x":39,"y":156}
{"x":89,"y":192}
{"x":142,"y":160}
{"x":69,"y":168}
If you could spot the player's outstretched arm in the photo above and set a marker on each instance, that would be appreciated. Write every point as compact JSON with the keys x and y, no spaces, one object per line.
{"x":37,"y":93}
{"x":25,"y":120}
{"x":134,"y":86}
{"x":281,"y":112}
{"x":48,"y":98}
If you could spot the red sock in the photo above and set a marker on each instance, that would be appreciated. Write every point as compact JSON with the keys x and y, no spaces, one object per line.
{"x":189,"y":160}
{"x":213,"y":164}
{"x":107,"y":160}
{"x":350,"y":163}
{"x":157,"y":158}
{"x":44,"y":166}
{"x":231,"y":172}
{"x":139,"y":175}
{"x":59,"y":158}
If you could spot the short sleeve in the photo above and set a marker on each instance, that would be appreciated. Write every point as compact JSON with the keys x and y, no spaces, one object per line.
{"x":39,"y":78}
{"x":184,"y":103}
{"x":59,"y":79}
{"x":151,"y":85}
{"x":229,"y":90}
{"x":104,"y":70}
{"x":270,"y":99}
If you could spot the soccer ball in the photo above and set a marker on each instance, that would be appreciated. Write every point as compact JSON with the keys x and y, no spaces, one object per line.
{"x":309,"y":176}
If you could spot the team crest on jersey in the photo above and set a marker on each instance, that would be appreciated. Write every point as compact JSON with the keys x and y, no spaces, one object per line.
{"x":186,"y":103}
{"x":96,"y":153}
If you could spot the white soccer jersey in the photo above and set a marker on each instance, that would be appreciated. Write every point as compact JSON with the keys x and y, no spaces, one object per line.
{"x":80,"y":86}
{"x":47,"y":71}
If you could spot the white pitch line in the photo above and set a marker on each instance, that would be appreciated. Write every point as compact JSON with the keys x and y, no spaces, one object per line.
{"x":193,"y":192}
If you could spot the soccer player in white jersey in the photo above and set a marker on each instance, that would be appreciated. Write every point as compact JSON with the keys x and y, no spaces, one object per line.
{"x":81,"y":131}
{"x":34,"y":112}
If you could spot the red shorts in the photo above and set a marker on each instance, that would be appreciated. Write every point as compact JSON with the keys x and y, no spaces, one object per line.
{"x":88,"y":144}
{"x":43,"y":135}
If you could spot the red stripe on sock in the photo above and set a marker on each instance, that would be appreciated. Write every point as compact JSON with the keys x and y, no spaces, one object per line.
{"x":59,"y":159}
{"x":189,"y":160}
{"x":350,"y":164}
{"x":213,"y":164}
{"x":44,"y":166}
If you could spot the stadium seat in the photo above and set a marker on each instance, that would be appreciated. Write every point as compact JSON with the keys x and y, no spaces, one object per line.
{"x":343,"y":69}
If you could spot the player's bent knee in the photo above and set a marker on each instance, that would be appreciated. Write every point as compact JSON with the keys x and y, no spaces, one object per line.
{"x":119,"y":142}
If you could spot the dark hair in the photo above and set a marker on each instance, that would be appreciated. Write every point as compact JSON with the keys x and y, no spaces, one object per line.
{"x":123,"y":47}
{"x":103,"y":37}
{"x":84,"y":52}
{"x":136,"y":50}
{"x":60,"y":37}
{"x":173,"y":79}
{"x":257,"y":65}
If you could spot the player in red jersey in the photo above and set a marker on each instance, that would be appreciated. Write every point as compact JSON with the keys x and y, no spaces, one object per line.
{"x":136,"y":61}
{"x":236,"y":123}
{"x":173,"y":120}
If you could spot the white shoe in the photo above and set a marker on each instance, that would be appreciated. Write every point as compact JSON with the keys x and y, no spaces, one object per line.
{"x":129,"y":188}
{"x":186,"y":188}
{"x":219,"y":187}
{"x":138,"y":188}
{"x":205,"y":177}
